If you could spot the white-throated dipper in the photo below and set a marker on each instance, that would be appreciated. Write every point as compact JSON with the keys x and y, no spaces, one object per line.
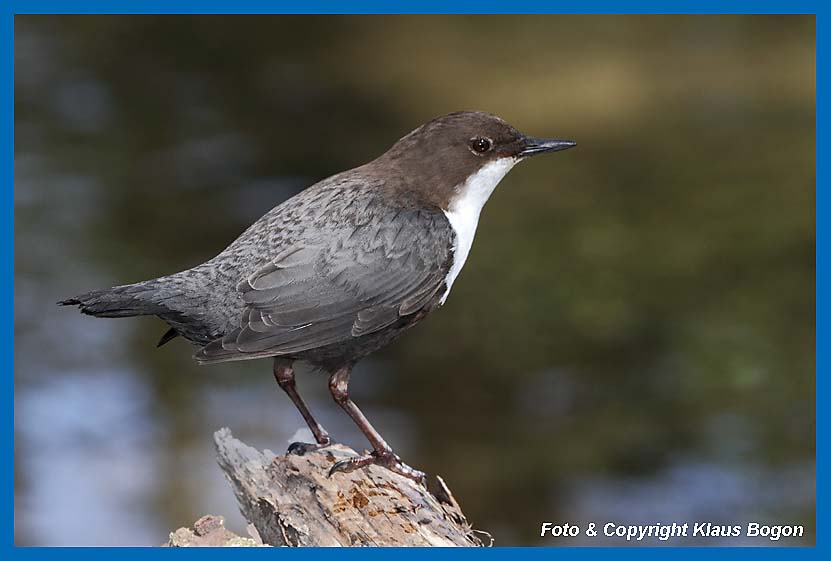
{"x":341,"y":269}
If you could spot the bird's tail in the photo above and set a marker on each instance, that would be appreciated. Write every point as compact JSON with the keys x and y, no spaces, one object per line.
{"x":117,"y":302}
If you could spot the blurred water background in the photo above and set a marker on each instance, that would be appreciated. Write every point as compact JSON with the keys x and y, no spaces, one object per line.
{"x":632,"y":339}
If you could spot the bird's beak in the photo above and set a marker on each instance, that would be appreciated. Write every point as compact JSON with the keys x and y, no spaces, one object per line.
{"x":531,"y":146}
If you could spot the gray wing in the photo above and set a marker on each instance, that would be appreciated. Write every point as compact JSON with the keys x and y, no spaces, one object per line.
{"x":321,"y":291}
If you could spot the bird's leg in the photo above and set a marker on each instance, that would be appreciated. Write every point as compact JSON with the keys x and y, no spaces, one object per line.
{"x":284,"y":374}
{"x":382,"y":454}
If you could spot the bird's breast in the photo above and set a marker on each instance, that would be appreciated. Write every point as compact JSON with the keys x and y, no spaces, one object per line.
{"x":464,"y":210}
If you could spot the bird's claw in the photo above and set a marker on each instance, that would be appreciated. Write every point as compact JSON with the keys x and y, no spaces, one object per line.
{"x":302,"y":448}
{"x":386,"y":460}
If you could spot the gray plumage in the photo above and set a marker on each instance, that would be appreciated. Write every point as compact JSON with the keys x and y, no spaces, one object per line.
{"x":339,"y":261}
{"x":344,"y":267}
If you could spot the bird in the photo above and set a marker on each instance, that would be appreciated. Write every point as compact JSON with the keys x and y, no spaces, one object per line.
{"x":341,"y":269}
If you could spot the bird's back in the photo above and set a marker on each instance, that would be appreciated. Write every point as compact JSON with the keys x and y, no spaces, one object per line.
{"x":346,"y":239}
{"x":348,"y":260}
{"x":204,"y":302}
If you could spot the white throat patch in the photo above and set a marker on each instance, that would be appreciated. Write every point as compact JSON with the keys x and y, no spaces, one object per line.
{"x":464,"y":209}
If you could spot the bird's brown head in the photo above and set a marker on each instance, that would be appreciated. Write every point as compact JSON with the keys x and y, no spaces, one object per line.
{"x":439,"y":157}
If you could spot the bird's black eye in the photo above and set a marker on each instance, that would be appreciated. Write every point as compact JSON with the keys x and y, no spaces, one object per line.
{"x":481,"y":144}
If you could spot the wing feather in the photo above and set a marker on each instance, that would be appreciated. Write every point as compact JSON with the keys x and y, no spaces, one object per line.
{"x":362,"y":276}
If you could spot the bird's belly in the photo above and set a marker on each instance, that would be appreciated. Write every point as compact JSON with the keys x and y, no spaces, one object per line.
{"x":333,"y":356}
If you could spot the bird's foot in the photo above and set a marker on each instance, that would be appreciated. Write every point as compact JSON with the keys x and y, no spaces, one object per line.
{"x":302,"y":448}
{"x":387,"y":460}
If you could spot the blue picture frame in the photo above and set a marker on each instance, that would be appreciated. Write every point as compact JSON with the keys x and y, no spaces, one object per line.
{"x":8,"y":10}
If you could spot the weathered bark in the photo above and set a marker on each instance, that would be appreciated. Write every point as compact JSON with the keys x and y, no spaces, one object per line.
{"x":291,"y":501}
{"x":210,"y":531}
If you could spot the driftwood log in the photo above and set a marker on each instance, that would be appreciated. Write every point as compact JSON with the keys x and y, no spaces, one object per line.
{"x":290,"y":500}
